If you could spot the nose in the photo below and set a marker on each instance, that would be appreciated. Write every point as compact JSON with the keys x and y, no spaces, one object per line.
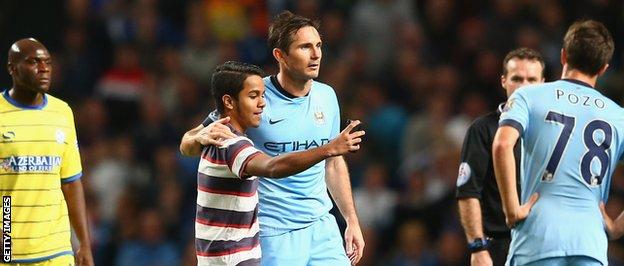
{"x":43,"y":67}
{"x":316,"y":53}
{"x":262,"y":102}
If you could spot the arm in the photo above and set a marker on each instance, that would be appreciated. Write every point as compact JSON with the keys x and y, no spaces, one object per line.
{"x":614,"y":228}
{"x":339,"y":186}
{"x":194,"y":139}
{"x":505,"y":170}
{"x":476,"y":159}
{"x":291,"y":163}
{"x":74,"y":196}
{"x":470,"y":216}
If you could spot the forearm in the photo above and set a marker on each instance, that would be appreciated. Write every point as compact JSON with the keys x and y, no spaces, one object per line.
{"x":287,"y":164}
{"x":339,"y":186}
{"x":470,"y":216}
{"x":505,"y":171}
{"x":618,"y":229}
{"x":189,"y":145}
{"x":74,"y":197}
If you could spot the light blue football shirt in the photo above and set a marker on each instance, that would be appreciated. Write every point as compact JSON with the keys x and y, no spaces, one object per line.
{"x":572,"y":140}
{"x":293,"y":124}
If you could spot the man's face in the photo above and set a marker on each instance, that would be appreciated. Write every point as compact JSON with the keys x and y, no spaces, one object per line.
{"x":33,"y":71}
{"x":303,"y":59}
{"x":250,"y":102}
{"x":521,"y":72}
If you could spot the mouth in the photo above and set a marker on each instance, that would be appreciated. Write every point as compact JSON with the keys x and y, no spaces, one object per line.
{"x":44,"y":80}
{"x":314,"y":66}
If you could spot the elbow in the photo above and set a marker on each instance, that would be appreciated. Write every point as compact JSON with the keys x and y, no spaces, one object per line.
{"x":184,"y":150}
{"x":500,"y":147}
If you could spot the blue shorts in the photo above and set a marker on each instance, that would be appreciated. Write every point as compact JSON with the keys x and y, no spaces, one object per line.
{"x":566,"y":261}
{"x":318,"y":244}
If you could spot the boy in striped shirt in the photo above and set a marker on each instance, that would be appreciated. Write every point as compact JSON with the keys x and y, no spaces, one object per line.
{"x":226,"y":226}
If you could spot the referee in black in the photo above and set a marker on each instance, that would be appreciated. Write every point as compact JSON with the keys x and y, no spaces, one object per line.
{"x":478,"y":198}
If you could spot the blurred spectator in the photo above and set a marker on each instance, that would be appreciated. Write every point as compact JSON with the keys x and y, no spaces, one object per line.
{"x":122,"y":86}
{"x":379,"y":200}
{"x":413,"y":247}
{"x":138,"y":75}
{"x":151,"y":248}
{"x":373,"y":27}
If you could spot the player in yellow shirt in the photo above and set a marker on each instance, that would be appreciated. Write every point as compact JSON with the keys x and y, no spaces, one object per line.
{"x":39,"y":167}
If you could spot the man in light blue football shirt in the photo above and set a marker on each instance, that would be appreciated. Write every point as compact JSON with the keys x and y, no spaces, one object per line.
{"x":295,"y":225}
{"x":572,"y":140}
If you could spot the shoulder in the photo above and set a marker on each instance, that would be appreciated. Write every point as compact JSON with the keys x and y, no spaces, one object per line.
{"x":323,"y":89}
{"x":237,"y":142}
{"x":539,"y":89}
{"x":58,"y":104}
{"x":484,"y":122}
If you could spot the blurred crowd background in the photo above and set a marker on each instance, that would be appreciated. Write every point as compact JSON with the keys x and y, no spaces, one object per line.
{"x":416,"y":72}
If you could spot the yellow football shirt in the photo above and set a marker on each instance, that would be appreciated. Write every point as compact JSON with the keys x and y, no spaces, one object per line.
{"x":38,"y":152}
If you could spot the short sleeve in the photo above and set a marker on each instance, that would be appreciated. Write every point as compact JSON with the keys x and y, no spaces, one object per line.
{"x":238,"y":154}
{"x":516,"y":112}
{"x":475,"y":157}
{"x":71,"y":168}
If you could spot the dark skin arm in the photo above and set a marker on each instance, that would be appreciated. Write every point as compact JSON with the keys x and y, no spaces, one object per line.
{"x":291,"y":163}
{"x":74,"y":196}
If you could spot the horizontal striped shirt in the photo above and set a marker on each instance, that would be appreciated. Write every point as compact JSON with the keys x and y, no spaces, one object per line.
{"x":38,"y":153}
{"x":226,"y":222}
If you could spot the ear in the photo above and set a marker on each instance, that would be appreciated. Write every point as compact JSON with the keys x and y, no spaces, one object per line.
{"x":10,"y":68}
{"x":603,"y":70}
{"x":564,"y":57}
{"x":278,"y":54}
{"x":502,"y":80}
{"x":228,"y":102}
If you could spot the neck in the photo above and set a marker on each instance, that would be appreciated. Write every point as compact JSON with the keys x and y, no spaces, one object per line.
{"x":569,"y":73}
{"x":296,"y":87}
{"x":26,"y":96}
{"x":234,"y":121}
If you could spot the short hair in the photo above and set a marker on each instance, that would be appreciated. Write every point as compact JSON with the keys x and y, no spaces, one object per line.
{"x":284,"y":27}
{"x":521,"y":54}
{"x":589,"y":46}
{"x":229,"y":78}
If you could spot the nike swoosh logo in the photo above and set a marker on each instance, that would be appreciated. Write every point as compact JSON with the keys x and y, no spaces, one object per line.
{"x":276,"y":121}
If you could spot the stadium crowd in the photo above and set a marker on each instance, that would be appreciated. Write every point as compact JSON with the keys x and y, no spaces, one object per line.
{"x":416,"y":73}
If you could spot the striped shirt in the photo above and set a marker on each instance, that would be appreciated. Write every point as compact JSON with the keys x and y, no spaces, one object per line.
{"x":226,"y":224}
{"x":38,"y":153}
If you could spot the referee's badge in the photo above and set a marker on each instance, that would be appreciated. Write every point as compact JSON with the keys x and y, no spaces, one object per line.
{"x":464,"y":174}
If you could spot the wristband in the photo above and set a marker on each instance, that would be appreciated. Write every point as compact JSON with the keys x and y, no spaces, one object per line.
{"x":479,"y":244}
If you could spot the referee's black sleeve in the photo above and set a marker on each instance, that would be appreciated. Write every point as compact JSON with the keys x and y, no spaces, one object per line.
{"x":475,"y":159}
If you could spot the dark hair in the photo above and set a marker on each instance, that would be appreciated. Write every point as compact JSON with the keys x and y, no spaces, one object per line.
{"x":229,"y":78}
{"x":523,"y":53}
{"x":589,"y":46}
{"x":285,"y":25}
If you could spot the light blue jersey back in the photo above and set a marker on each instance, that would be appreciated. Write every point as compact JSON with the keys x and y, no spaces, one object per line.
{"x":293,"y":124}
{"x":572,"y":140}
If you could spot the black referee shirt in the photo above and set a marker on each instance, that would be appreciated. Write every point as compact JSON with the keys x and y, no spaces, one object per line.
{"x":476,"y":173}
